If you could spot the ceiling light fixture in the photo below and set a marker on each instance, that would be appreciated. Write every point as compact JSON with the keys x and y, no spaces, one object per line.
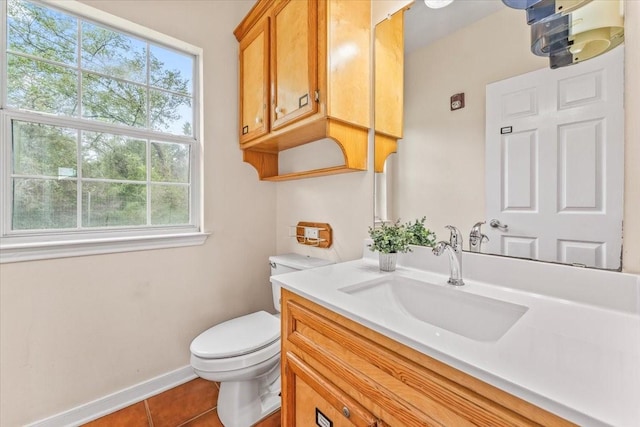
{"x":586,"y":32}
{"x":437,"y":4}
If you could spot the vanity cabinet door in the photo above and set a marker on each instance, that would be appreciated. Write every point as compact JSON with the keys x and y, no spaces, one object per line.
{"x":294,"y":71}
{"x":312,"y":400}
{"x":254,"y":83}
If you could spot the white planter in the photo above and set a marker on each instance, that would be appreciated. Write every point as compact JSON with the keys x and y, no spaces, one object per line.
{"x":387,"y":261}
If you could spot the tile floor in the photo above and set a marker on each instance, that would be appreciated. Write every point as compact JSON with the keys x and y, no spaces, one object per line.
{"x":192,"y":404}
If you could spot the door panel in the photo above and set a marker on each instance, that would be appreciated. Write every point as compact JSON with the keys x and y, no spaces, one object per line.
{"x":519,"y":246}
{"x":519,"y":103}
{"x":580,"y":90}
{"x":519,"y":182}
{"x":586,"y":253}
{"x":580,"y":161}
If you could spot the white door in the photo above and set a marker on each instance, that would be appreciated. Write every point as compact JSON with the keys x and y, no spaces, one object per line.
{"x":554,"y":163}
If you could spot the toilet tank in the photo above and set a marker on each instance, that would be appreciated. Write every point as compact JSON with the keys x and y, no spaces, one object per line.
{"x":288,"y":263}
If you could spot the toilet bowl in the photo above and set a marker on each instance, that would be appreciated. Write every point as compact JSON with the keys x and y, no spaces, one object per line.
{"x":243,"y":355}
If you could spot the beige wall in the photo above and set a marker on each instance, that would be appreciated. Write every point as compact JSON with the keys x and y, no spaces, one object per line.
{"x":344,"y":201}
{"x":441,"y":159}
{"x":74,"y":330}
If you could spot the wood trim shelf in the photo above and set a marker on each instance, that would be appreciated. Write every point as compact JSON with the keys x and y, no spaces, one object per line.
{"x":352,"y":140}
{"x":310,"y":173}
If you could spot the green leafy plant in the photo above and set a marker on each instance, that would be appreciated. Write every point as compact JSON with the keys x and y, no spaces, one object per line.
{"x":389,"y":238}
{"x":418,"y":234}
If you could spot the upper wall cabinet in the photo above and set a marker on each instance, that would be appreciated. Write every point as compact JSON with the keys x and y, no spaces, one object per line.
{"x":304,"y":76}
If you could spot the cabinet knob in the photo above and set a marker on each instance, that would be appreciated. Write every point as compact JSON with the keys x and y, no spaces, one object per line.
{"x":346,"y":412}
{"x":279,"y":110}
{"x":258,"y":120}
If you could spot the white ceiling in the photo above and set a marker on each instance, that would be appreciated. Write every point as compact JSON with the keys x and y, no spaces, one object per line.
{"x":424,"y":25}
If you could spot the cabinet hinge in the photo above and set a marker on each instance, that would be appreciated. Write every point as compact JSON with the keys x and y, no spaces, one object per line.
{"x":316,"y":95}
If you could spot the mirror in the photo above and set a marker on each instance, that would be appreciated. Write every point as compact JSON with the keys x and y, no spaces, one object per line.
{"x":555,"y":182}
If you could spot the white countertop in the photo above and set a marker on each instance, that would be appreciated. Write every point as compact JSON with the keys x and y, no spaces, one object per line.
{"x":578,"y":360}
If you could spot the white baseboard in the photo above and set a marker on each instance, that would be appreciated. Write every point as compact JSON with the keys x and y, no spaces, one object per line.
{"x":118,"y":400}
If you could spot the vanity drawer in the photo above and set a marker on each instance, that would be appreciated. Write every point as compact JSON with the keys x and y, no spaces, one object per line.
{"x":316,"y":401}
{"x":396,"y":384}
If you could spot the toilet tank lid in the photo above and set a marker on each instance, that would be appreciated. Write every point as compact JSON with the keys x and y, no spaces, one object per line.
{"x":299,"y":262}
{"x":238,"y":336}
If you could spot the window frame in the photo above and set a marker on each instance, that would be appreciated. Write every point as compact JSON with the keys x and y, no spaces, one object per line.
{"x":25,"y":245}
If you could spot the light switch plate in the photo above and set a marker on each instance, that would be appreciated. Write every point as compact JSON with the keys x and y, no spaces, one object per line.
{"x":457,"y":101}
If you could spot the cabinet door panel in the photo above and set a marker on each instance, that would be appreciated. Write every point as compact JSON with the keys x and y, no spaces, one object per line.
{"x":316,"y":401}
{"x":254,"y":83}
{"x":294,"y":61}
{"x":389,"y":62}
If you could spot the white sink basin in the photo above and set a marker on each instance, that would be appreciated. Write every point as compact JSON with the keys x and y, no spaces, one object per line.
{"x":473,"y":316}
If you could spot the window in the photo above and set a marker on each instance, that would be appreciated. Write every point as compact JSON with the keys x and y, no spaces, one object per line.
{"x":100,"y":134}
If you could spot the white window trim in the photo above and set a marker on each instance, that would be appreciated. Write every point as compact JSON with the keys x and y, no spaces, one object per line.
{"x":63,"y":245}
{"x":76,"y":248}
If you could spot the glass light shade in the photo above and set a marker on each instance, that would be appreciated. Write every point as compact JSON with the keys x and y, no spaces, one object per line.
{"x":584,"y":33}
{"x":520,"y":4}
{"x":437,"y":4}
{"x":548,"y":9}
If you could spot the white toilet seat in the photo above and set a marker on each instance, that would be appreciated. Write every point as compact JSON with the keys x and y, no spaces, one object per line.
{"x":241,"y":335}
{"x":236,"y":362}
{"x":237,"y":343}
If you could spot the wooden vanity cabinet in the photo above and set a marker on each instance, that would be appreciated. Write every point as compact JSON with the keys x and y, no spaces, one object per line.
{"x":331,"y":362}
{"x":304,"y":76}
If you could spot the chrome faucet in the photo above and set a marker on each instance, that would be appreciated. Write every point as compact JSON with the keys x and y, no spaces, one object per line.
{"x":454,"y":250}
{"x":476,"y":237}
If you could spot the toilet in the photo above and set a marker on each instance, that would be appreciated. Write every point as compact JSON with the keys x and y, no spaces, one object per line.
{"x":243,"y":355}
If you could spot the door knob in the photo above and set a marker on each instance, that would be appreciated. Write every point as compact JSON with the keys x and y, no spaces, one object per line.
{"x":494,"y":223}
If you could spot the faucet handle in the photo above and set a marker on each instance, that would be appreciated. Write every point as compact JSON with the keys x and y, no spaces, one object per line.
{"x":476,"y":231}
{"x":477,"y":225}
{"x":476,"y":237}
{"x":455,"y":240}
{"x":438,"y":248}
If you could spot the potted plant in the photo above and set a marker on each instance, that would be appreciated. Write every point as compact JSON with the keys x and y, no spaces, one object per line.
{"x":419,"y":235}
{"x":388,"y":240}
